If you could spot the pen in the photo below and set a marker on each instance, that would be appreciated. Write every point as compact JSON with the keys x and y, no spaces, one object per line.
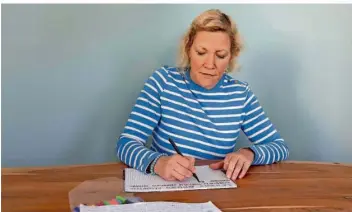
{"x":179,"y":152}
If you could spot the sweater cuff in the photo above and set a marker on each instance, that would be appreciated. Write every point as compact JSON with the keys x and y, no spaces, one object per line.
{"x":148,"y":160}
{"x":258,"y":156}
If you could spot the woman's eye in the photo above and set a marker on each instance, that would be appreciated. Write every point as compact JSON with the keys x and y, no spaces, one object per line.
{"x":200,"y":53}
{"x":221,"y":56}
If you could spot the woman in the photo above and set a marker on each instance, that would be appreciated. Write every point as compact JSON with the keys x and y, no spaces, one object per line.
{"x":201,"y":108}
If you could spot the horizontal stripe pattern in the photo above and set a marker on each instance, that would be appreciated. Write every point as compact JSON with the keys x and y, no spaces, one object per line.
{"x":205,"y":124}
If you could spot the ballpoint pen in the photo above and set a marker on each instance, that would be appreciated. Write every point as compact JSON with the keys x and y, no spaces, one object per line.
{"x":180,"y":153}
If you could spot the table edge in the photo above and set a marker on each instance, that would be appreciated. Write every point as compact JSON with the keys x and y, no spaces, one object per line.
{"x":118,"y":163}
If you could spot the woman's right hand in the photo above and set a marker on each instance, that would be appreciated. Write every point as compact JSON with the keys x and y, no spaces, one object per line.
{"x":175,"y":167}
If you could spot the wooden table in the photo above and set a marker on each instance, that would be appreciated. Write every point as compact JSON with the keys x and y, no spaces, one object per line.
{"x":289,"y":186}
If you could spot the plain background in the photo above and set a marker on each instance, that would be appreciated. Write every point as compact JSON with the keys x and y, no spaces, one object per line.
{"x":71,"y":73}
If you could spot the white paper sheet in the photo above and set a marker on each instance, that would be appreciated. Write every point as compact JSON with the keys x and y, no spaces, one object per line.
{"x":154,"y":206}
{"x":135,"y":181}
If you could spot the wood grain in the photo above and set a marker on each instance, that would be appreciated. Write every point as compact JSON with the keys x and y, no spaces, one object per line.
{"x":289,"y":186}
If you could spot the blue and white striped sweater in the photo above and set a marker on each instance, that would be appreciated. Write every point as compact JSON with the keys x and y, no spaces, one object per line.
{"x":205,"y":124}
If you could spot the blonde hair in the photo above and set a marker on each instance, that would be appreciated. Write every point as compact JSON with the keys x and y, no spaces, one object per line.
{"x":211,"y":21}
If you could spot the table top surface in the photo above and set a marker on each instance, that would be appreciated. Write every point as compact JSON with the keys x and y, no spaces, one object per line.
{"x":288,"y":186}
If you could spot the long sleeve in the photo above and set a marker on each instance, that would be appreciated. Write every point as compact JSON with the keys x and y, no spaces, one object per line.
{"x":268,"y":146}
{"x":143,"y":119}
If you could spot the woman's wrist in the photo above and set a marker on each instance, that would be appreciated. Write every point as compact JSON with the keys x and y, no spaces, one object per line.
{"x":248,"y":153}
{"x":153,"y":166}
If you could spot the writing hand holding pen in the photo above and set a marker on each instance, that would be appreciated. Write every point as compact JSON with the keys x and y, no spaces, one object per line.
{"x":175,"y":167}
{"x":180,"y":153}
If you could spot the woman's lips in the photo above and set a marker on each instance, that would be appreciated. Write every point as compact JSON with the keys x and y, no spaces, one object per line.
{"x":206,"y":74}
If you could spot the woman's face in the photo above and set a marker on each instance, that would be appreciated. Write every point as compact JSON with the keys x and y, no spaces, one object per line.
{"x":209,"y":57}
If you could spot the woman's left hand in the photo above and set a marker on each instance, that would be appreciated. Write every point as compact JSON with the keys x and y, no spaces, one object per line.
{"x":235,"y":164}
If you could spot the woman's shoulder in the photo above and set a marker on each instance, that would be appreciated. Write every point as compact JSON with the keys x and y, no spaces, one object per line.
{"x":235,"y":83}
{"x":164,"y":75}
{"x":167,"y":73}
{"x":166,"y":70}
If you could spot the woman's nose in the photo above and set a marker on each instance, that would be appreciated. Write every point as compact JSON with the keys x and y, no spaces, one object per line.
{"x":210,"y":62}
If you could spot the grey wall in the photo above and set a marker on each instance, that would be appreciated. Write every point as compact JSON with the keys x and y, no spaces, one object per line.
{"x":71,"y":73}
